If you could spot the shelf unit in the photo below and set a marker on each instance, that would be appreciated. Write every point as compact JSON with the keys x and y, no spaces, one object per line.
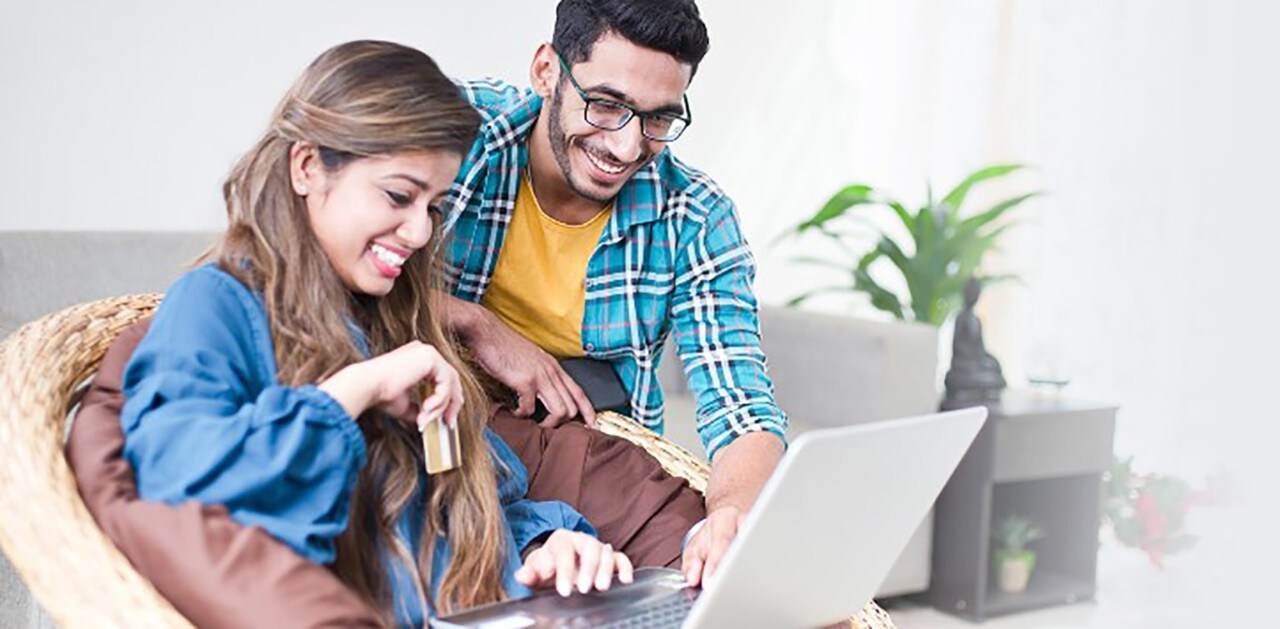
{"x":1038,"y":458}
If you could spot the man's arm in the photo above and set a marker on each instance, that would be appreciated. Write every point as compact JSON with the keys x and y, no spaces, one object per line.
{"x":517,"y":363}
{"x":738,"y":473}
{"x":717,"y":332}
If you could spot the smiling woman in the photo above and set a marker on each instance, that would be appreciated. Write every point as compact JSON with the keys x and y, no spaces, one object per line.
{"x":287,"y":378}
{"x":371,"y":215}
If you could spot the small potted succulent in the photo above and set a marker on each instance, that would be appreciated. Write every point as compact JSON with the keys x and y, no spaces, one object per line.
{"x":1014,"y":561}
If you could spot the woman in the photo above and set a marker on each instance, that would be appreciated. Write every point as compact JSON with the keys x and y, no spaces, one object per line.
{"x":281,"y":379}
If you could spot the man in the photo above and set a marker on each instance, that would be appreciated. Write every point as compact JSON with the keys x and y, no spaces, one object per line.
{"x":575,"y":232}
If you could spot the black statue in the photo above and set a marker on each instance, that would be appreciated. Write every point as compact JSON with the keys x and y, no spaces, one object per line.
{"x":974,"y":378}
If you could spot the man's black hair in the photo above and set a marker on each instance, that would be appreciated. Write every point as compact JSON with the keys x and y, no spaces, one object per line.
{"x":670,"y":26}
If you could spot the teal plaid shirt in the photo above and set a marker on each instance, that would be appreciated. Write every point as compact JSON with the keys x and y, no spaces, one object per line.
{"x":670,"y":262}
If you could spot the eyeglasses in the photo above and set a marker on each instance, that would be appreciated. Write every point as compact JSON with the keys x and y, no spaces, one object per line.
{"x":611,"y":115}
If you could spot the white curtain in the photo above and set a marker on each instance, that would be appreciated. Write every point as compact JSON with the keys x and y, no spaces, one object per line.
{"x":1150,"y":125}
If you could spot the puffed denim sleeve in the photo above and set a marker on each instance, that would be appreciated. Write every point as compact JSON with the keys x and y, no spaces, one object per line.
{"x":205,"y":419}
{"x":528,"y":519}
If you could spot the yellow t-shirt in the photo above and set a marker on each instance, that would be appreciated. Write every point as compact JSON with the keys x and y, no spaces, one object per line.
{"x":537,"y":287}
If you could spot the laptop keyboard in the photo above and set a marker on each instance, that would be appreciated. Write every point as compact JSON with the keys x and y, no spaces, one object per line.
{"x":668,"y":611}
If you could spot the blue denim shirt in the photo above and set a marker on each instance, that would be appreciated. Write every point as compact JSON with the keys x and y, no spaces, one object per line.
{"x":206,"y":419}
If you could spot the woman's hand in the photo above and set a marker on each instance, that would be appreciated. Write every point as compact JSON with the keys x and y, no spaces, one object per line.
{"x":568,"y":558}
{"x":389,"y":382}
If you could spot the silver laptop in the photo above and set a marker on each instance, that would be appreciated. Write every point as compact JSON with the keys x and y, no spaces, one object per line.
{"x":825,"y":531}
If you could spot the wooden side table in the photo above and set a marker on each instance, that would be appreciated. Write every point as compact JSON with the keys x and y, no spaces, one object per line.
{"x":1040,"y":458}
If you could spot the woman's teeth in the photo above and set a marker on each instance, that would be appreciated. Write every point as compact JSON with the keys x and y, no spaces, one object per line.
{"x":386,"y":255}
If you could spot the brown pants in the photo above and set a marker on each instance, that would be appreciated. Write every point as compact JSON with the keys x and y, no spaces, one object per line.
{"x":219,"y":573}
{"x":622,"y":490}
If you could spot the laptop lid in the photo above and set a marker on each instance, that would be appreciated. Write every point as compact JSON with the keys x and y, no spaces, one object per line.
{"x":823,"y":534}
{"x":832,"y":519}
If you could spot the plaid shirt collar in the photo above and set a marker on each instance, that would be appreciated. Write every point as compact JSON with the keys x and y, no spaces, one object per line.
{"x":642,"y":199}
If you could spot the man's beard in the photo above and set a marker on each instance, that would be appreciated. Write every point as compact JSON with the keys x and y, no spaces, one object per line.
{"x":560,"y":148}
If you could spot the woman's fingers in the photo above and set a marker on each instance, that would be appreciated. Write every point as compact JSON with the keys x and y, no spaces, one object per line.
{"x":604,"y":573}
{"x":626,"y":573}
{"x":565,"y":560}
{"x":577,"y":561}
{"x":589,"y":551}
{"x":538,"y":570}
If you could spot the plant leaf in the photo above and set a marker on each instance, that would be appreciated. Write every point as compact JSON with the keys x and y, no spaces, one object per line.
{"x":901,"y":211}
{"x":838,"y":204}
{"x":978,"y":221}
{"x":929,"y":263}
{"x":989,"y":280}
{"x":955,"y":198}
{"x":881,"y":297}
{"x":890,"y":249}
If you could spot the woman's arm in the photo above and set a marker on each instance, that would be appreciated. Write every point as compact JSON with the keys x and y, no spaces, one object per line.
{"x":205,"y":420}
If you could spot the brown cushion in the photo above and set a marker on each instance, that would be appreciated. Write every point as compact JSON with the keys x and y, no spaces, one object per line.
{"x":216,"y":572}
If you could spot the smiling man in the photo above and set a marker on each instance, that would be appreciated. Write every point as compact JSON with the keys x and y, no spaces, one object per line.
{"x":575,"y":232}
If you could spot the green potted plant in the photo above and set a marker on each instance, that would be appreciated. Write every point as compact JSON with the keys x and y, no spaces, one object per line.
{"x":944,"y":250}
{"x":1014,"y":561}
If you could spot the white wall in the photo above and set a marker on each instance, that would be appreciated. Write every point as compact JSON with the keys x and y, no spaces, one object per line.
{"x":1151,"y":123}
{"x":127,"y":115}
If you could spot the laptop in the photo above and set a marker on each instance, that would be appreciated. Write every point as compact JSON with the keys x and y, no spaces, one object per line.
{"x":823,"y":534}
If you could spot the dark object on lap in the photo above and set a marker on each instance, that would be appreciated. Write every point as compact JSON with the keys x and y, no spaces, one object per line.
{"x":601,"y":384}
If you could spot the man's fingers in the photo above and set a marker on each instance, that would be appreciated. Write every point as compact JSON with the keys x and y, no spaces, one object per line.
{"x":693,"y":572}
{"x":581,"y":401}
{"x":526,"y":400}
{"x":552,"y":399}
{"x":694,"y":554}
{"x":560,"y":405}
{"x":720,"y":538}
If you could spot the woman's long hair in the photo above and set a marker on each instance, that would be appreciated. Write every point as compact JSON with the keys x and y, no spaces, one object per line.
{"x":361,"y":99}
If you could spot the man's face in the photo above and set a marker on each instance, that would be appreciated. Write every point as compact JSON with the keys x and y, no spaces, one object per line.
{"x":595,"y":163}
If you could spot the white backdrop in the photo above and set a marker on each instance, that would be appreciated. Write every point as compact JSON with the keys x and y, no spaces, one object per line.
{"x":1150,"y":124}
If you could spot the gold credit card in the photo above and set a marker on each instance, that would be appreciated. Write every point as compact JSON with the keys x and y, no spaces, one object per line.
{"x":441,"y":445}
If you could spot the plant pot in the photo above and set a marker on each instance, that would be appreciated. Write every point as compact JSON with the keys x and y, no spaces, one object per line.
{"x":1014,"y":570}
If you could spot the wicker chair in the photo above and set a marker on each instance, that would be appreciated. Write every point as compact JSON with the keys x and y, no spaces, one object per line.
{"x":72,"y":569}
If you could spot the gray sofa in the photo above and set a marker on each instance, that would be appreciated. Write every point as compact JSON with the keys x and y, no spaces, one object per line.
{"x":836,"y":371}
{"x":829,"y":370}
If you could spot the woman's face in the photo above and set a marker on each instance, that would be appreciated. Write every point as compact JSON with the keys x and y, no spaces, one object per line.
{"x":372,"y":214}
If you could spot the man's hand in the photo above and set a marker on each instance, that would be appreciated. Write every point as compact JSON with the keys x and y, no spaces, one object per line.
{"x":706,"y":549}
{"x":519,"y":364}
{"x":738,"y":473}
